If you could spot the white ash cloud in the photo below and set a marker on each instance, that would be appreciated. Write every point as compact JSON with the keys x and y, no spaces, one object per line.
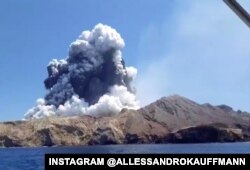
{"x":92,"y":80}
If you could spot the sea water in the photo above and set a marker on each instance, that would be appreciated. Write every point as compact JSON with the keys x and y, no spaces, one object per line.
{"x":33,"y":158}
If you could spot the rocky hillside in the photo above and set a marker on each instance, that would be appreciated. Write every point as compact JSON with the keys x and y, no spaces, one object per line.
{"x":173,"y":119}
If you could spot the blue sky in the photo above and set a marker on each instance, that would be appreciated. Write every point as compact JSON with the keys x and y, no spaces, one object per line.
{"x":198,"y":49}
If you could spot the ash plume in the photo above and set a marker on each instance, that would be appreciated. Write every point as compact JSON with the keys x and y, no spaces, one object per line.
{"x":92,"y":80}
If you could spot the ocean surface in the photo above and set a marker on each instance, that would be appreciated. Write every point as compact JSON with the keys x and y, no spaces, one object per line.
{"x":33,"y":158}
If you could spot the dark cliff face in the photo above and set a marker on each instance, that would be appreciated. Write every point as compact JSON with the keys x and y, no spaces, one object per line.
{"x":205,"y":134}
{"x":171,"y":119}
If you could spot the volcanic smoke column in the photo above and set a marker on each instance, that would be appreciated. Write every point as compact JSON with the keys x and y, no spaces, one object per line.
{"x":92,"y":80}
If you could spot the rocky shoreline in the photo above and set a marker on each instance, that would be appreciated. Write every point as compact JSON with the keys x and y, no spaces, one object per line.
{"x":173,"y":119}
